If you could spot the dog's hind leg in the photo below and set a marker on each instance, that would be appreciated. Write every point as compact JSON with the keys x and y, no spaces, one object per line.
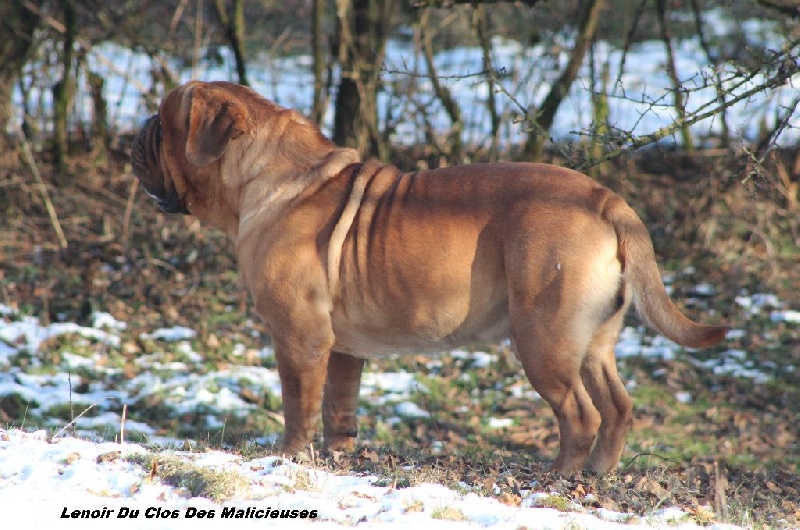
{"x":552,"y":361}
{"x":340,"y":401}
{"x":599,"y":372}
{"x":562,"y":388}
{"x":556,"y":305}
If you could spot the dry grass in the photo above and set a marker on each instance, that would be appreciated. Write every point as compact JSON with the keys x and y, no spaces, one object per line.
{"x":196,"y":481}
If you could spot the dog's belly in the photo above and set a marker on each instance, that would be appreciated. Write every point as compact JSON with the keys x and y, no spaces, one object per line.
{"x":374,"y":333}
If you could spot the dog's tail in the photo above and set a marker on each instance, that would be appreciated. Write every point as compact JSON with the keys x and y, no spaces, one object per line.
{"x":641,"y":273}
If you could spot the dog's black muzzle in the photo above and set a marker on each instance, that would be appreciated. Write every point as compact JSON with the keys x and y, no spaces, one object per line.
{"x":144,"y":160}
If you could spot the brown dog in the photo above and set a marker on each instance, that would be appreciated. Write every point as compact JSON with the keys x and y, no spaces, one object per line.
{"x":348,"y":260}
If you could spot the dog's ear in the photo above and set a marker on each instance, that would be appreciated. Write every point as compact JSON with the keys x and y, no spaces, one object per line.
{"x":215,"y":118}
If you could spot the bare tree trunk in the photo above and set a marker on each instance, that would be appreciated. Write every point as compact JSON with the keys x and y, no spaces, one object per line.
{"x":720,"y":88}
{"x":481,"y":23}
{"x":63,"y":90}
{"x":534,"y":146}
{"x":362,"y":39}
{"x":348,"y":98}
{"x":680,"y":108}
{"x":17,"y":24}
{"x":454,"y":148}
{"x":234,"y":32}
{"x":99,"y":130}
{"x":317,"y":50}
{"x":600,"y":114}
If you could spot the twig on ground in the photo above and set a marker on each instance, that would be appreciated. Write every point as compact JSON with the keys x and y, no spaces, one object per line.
{"x":76,"y":418}
{"x":128,"y":209}
{"x":27,"y":153}
{"x":122,"y":423}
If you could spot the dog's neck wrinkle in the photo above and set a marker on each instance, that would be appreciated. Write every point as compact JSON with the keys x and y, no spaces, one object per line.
{"x":288,"y":149}
{"x":284,"y":159}
{"x":266,"y":203}
{"x":252,"y":166}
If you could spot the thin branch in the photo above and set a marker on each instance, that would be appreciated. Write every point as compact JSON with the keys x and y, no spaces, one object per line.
{"x":672,"y":72}
{"x":450,"y":3}
{"x":629,"y":41}
{"x":481,"y":22}
{"x":782,"y":75}
{"x":87,"y":46}
{"x":783,"y":63}
{"x":419,"y":75}
{"x":534,"y":144}
{"x":786,"y":7}
{"x":442,"y":92}
{"x":320,"y":97}
{"x":527,"y":116}
{"x":768,"y":140}
{"x":76,"y":418}
{"x":716,"y":76}
{"x":27,"y":153}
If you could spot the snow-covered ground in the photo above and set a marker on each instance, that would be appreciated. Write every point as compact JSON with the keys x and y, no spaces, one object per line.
{"x":48,"y":483}
{"x":49,"y":476}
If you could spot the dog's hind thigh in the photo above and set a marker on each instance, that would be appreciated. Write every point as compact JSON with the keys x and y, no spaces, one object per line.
{"x":599,"y":372}
{"x":340,"y":401}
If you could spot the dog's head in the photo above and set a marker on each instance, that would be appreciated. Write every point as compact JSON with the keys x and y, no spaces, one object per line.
{"x":177,"y":153}
{"x":210,"y":140}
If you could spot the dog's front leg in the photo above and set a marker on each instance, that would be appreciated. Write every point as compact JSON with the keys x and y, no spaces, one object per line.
{"x":302,"y":371}
{"x":340,"y":401}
